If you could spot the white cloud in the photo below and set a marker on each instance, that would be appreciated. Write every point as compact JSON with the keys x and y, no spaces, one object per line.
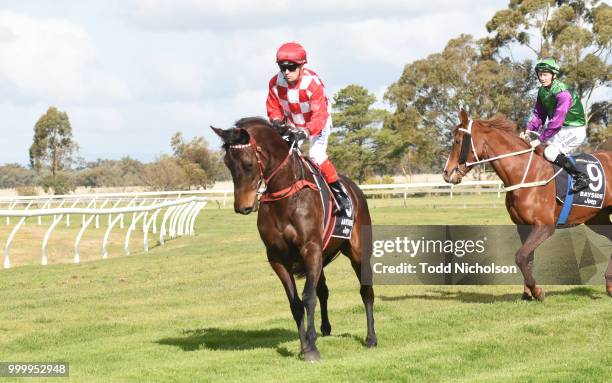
{"x":130,"y":74}
{"x":241,"y":14}
{"x":51,"y":59}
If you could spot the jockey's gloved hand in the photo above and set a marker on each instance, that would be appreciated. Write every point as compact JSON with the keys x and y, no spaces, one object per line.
{"x":279,"y":126}
{"x":535,"y":143}
{"x":298,"y":134}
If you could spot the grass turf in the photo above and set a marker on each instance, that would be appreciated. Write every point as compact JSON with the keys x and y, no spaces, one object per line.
{"x":209,"y":308}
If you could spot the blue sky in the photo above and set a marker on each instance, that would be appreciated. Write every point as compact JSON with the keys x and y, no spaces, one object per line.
{"x":131,"y":73}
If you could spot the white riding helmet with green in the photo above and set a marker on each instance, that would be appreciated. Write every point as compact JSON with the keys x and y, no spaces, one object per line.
{"x":547,"y":65}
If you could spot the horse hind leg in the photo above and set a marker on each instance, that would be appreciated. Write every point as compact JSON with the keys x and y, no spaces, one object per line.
{"x":366,"y":291}
{"x":323,"y":294}
{"x":359,"y":249}
{"x":602,"y":225}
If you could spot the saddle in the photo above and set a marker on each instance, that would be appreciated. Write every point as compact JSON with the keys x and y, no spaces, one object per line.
{"x":339,"y":225}
{"x":592,"y":196}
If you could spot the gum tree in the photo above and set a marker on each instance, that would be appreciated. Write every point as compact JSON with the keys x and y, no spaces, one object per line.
{"x":578,"y":33}
{"x":353,"y":147}
{"x":428,"y":94}
{"x":52,"y":149}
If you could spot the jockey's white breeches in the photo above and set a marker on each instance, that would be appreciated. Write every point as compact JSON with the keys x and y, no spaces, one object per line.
{"x":566,"y":141}
{"x":318,"y":144}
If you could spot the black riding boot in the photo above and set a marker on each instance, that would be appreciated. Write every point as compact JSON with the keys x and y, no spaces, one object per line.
{"x":340,"y":195}
{"x":581,"y":180}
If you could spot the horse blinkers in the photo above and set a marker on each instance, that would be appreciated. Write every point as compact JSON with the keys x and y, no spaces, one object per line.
{"x":466,"y":144}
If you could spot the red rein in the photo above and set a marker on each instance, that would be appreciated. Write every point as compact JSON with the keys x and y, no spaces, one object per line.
{"x":295,"y":187}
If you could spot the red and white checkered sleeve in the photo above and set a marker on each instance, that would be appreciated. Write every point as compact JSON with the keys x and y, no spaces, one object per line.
{"x":272,"y":103}
{"x":318,"y":107}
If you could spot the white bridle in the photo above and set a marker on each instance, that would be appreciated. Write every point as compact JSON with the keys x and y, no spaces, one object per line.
{"x":513,"y":187}
{"x":478,"y":161}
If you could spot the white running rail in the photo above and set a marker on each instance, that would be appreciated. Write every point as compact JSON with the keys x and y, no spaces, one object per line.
{"x":182,"y":213}
{"x":221,"y":196}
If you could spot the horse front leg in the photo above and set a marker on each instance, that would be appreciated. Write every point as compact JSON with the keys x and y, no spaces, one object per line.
{"x":523,"y":231}
{"x":296,"y":305}
{"x":313,"y":262}
{"x":524,"y":257}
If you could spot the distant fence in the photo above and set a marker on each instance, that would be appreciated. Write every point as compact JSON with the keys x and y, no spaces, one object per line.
{"x":182,"y":208}
{"x":178,"y":219}
{"x":406,"y":190}
{"x":221,"y":196}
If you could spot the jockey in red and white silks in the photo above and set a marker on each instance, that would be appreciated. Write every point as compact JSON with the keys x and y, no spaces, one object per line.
{"x":297,"y":95}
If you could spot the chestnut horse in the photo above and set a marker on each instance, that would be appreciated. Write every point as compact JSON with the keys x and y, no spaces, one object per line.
{"x":290,"y":225}
{"x":528,"y":201}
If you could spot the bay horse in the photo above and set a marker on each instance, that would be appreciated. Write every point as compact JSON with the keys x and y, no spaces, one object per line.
{"x":290,"y":222}
{"x":528,"y":203}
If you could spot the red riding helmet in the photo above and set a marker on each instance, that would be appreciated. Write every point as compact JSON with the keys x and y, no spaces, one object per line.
{"x":293,"y":52}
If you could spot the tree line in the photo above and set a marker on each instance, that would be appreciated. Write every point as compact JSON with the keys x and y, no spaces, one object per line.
{"x":484,"y":76}
{"x":55,"y":167}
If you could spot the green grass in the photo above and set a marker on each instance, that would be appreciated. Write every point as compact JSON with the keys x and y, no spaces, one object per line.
{"x":209,"y":308}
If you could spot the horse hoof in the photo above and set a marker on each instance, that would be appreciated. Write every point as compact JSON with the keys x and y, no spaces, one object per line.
{"x":609,"y":288}
{"x":312,"y":356}
{"x":371,"y":342}
{"x":526,"y":297}
{"x":325,"y":330}
{"x":539,"y":294}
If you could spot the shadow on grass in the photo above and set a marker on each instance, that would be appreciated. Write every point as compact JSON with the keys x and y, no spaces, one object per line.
{"x":283,"y":351}
{"x":468,"y":297}
{"x":474,"y":297}
{"x":582,"y":291}
{"x":228,"y":339}
{"x":356,"y":338}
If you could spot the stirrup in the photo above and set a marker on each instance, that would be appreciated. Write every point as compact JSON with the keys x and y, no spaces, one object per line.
{"x":579,"y":182}
{"x":341,"y":202}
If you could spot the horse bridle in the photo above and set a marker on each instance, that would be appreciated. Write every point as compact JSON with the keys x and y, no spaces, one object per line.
{"x":258,"y":151}
{"x":466,"y":144}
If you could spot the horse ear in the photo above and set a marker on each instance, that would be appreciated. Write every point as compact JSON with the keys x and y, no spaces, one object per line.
{"x":221,"y":133}
{"x":232,"y":136}
{"x":239,"y":136}
{"x":463,"y":116}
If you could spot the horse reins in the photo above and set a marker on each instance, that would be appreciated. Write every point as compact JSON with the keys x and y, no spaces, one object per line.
{"x":281,"y":194}
{"x":468,"y":143}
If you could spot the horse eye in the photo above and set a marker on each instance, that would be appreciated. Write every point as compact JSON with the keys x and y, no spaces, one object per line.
{"x":457,"y":141}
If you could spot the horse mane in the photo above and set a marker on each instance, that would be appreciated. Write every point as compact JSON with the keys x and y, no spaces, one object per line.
{"x":246,"y":122}
{"x":237,"y":135}
{"x":261,"y":129}
{"x":500,"y":122}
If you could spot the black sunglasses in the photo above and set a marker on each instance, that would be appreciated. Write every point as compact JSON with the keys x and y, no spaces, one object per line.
{"x":291,"y":67}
